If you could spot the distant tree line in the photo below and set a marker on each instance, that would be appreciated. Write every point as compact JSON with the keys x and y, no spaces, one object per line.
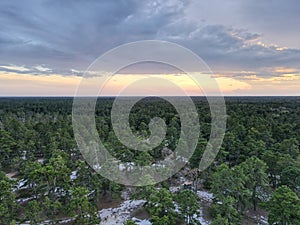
{"x":258,"y":165}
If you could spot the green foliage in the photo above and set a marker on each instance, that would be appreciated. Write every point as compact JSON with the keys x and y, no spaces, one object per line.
{"x":188,"y":205}
{"x":291,"y":147}
{"x":144,"y":192}
{"x":197,"y":155}
{"x":256,"y":178}
{"x":246,"y":183}
{"x":130,"y":222}
{"x":284,"y":207}
{"x":226,"y":212}
{"x":144,"y":158}
{"x":8,"y":149}
{"x":262,"y":138}
{"x":52,"y":209}
{"x":219,"y":220}
{"x":33,"y":212}
{"x":81,"y":208}
{"x":290,"y":176}
{"x":156,"y":220}
{"x":8,"y":204}
{"x":230,"y":183}
{"x":161,"y":207}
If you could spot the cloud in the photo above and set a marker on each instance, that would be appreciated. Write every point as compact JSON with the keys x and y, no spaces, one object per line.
{"x":222,"y":47}
{"x":277,"y":20}
{"x":77,"y":31}
{"x":14,"y":68}
{"x":33,"y":70}
{"x":66,"y":36}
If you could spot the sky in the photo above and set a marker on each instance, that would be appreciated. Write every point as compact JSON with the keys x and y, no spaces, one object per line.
{"x":251,"y":46}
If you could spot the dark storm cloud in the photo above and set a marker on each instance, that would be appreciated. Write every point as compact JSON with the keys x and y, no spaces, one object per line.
{"x":65,"y":35}
{"x":57,"y":29}
{"x":224,"y":48}
{"x":76,"y":30}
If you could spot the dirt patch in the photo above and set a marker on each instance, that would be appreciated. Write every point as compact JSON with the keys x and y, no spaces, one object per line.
{"x":141,"y":214}
{"x":255,"y":217}
{"x":105,"y":202}
{"x":12,"y":174}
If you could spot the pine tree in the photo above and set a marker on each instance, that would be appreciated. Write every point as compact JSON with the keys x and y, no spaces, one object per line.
{"x":189,"y":206}
{"x":284,"y":207}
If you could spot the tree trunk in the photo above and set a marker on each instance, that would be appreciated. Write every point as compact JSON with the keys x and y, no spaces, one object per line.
{"x":254,"y":198}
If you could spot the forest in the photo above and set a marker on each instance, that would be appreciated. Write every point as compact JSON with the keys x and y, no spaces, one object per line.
{"x":255,"y":178}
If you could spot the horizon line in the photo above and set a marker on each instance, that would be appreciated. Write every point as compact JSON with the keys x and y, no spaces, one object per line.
{"x":114,"y":96}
